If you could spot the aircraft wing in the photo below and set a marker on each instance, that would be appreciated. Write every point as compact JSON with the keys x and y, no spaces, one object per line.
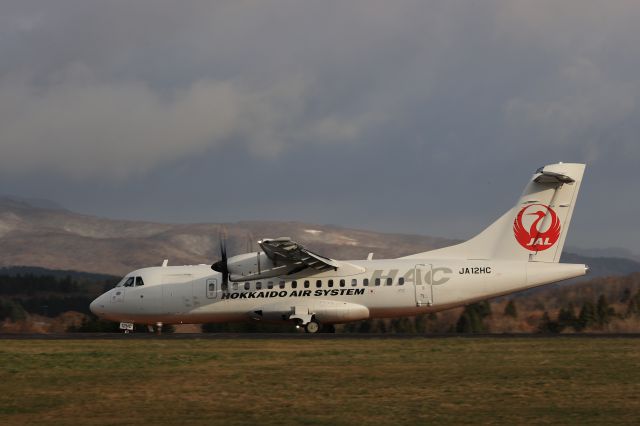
{"x":284,"y":250}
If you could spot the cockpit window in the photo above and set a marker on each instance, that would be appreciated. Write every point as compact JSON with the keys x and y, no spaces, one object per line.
{"x":125,"y":282}
{"x":139,"y":281}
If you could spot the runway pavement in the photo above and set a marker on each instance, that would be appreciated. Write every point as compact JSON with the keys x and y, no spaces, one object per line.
{"x":301,"y":336}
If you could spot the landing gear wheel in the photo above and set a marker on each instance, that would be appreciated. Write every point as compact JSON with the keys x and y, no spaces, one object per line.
{"x":312,"y":327}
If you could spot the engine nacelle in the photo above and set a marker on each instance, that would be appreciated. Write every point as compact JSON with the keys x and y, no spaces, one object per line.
{"x":252,"y":266}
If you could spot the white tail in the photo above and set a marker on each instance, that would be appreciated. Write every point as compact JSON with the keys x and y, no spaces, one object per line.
{"x":534,"y":229}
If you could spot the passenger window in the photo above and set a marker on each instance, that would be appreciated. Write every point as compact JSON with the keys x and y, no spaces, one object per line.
{"x":129,"y":282}
{"x":270,"y":285}
{"x":377,"y":281}
{"x":342,"y":283}
{"x":139,"y":281}
{"x":389,"y":281}
{"x":354,"y":282}
{"x":306,"y":284}
{"x":258,"y":285}
{"x":247,"y":286}
{"x":365,"y":282}
{"x":319,"y":283}
{"x":281,"y":285}
{"x":294,"y":284}
{"x":401,"y":281}
{"x":330,"y":283}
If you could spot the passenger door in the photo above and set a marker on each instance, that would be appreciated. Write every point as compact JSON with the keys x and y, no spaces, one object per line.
{"x":423,"y":287}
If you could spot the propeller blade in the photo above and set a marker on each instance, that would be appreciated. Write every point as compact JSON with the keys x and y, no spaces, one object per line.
{"x":222,"y":265}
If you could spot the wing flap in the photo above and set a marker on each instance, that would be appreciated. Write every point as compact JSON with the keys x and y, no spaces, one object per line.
{"x":285,"y":250}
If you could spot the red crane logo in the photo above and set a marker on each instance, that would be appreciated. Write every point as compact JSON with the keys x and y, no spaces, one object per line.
{"x":535,"y":239}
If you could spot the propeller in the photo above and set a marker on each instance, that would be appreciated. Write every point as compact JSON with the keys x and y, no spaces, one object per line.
{"x":222,"y":265}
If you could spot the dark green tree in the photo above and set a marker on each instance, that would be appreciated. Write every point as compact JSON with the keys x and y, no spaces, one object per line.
{"x":470,"y":320}
{"x":548,"y":326}
{"x":567,"y":317}
{"x":510,"y":309}
{"x":364,"y":326}
{"x":420,"y":323}
{"x":92,"y":324}
{"x":604,"y":312}
{"x":379,"y":326}
{"x":402,"y":325}
{"x":12,"y":310}
{"x":588,"y":316}
{"x":484,"y":308}
{"x":426,"y":323}
{"x":633,"y":307}
{"x":626,"y":295}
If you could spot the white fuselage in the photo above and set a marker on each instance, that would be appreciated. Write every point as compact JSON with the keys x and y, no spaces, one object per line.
{"x":286,"y":282}
{"x":365,"y":289}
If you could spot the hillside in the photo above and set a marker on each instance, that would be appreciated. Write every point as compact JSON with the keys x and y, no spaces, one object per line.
{"x":42,"y":234}
{"x":55,"y":238}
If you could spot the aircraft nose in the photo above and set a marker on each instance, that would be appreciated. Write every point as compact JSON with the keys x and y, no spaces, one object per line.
{"x":97,"y":306}
{"x":93,"y":307}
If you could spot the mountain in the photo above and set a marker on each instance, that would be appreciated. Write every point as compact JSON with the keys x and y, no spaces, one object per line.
{"x":603,"y":266}
{"x":42,"y":234}
{"x":35,"y":271}
{"x":55,"y":238}
{"x":38,"y":203}
{"x":618,"y":252}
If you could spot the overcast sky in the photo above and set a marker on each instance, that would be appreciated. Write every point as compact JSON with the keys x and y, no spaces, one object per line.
{"x":407,"y":116}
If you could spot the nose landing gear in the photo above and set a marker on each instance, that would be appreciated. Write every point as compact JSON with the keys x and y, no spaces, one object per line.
{"x":127,"y":327}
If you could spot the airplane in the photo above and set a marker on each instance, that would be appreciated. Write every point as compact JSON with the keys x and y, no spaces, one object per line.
{"x":286,"y":283}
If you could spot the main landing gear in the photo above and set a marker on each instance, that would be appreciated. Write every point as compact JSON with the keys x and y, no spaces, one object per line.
{"x":306,"y":319}
{"x":312,"y":326}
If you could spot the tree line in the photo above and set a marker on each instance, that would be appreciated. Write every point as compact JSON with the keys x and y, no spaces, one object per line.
{"x":46,"y":294}
{"x":593,"y":315}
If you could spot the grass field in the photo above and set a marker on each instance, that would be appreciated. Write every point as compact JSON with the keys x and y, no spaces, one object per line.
{"x":387,"y":381}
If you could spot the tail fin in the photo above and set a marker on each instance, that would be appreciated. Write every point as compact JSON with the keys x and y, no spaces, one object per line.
{"x":535,"y":228}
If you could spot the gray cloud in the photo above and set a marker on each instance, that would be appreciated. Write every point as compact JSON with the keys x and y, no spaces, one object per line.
{"x":389,"y":97}
{"x":83,"y":127}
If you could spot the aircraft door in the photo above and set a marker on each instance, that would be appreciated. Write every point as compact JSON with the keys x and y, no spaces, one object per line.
{"x":424,"y":289}
{"x":212,"y":288}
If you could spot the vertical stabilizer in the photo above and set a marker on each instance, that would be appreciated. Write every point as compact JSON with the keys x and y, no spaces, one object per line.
{"x":535,"y":229}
